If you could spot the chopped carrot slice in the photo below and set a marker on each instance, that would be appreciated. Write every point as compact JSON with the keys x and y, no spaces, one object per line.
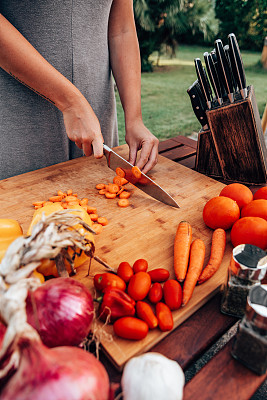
{"x":91,"y":210}
{"x":136,"y":172}
{"x":36,"y":207}
{"x":113,"y":188}
{"x":123,"y":203}
{"x":46,"y":203}
{"x":84,"y":202}
{"x":55,"y":199}
{"x":75,"y":194}
{"x":73,"y":203}
{"x":100,"y":186}
{"x":102,"y":221}
{"x":64,"y":205}
{"x":124,"y":195}
{"x":120,"y":191}
{"x":70,"y":198}
{"x":97,"y":228}
{"x":62,"y":194}
{"x":69,"y":192}
{"x":120,"y":172}
{"x":110,"y":195}
{"x":102,"y":191}
{"x":37,"y":203}
{"x":118,"y":180}
{"x":94,"y":217}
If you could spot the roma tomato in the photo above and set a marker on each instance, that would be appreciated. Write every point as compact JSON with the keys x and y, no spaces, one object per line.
{"x":145,"y":312}
{"x":125,"y":271}
{"x":139,"y":285}
{"x":101,"y":281}
{"x":155,"y":293}
{"x":159,"y":274}
{"x":172,"y":293}
{"x":140,"y":265}
{"x":164,"y":316}
{"x":130,"y":328}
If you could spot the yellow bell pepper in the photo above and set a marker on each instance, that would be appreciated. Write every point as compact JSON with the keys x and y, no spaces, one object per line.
{"x":10,"y":230}
{"x":48,"y":267}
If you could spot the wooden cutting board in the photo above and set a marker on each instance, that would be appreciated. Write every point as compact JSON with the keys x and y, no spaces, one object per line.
{"x":145,"y":229}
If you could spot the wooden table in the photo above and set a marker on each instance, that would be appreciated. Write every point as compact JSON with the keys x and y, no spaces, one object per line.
{"x":222,"y":377}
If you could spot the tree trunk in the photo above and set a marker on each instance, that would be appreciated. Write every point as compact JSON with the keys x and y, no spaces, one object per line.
{"x":264,"y":54}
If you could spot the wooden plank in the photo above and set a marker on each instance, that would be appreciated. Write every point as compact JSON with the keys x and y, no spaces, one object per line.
{"x":186,"y":141}
{"x":130,"y":230}
{"x":223,"y":378}
{"x":178,"y":154}
{"x":167,"y":145}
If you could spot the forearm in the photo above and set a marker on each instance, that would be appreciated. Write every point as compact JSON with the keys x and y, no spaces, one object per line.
{"x":22,"y":61}
{"x":125,"y":62}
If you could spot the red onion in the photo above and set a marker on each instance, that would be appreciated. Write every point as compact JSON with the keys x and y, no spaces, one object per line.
{"x":55,"y":374}
{"x":62,"y":311}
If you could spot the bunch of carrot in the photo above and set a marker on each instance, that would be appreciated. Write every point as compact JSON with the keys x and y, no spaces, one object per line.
{"x":189,"y":258}
{"x":115,"y":189}
{"x":68,"y":199}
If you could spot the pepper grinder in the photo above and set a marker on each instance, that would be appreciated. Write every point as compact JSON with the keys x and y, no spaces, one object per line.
{"x":247,"y":268}
{"x":250,"y":344}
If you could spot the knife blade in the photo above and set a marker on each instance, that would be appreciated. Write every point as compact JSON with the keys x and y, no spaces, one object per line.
{"x":237,"y":65}
{"x":213,"y":77}
{"x":203,"y":82}
{"x":198,"y":103}
{"x":225,"y":69}
{"x":226,"y":50}
{"x":144,"y":183}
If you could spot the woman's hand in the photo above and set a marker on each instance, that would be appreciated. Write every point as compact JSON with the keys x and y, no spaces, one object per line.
{"x":138,"y":137}
{"x":83,"y":128}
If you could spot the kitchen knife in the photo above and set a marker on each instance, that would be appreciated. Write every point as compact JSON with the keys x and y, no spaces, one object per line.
{"x":224,"y":69}
{"x":144,"y":183}
{"x":215,"y":63}
{"x":213,"y":77}
{"x":237,"y":65}
{"x":203,"y":82}
{"x":226,"y":50}
{"x":198,"y":103}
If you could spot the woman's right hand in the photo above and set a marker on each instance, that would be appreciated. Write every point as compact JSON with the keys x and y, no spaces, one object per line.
{"x":83,"y":128}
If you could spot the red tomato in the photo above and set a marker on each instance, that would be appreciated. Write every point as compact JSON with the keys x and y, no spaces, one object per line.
{"x":130,"y":328}
{"x":145,"y":312}
{"x":101,"y":281}
{"x":139,"y":285}
{"x":155,"y":293}
{"x":172,"y":293}
{"x":164,"y":316}
{"x":159,"y":275}
{"x":140,"y":265}
{"x":125,"y":271}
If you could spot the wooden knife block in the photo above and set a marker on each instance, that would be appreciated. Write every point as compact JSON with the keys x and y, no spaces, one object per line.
{"x":233,"y":149}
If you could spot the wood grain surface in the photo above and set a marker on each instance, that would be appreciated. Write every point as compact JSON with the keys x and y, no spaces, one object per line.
{"x":145,"y":229}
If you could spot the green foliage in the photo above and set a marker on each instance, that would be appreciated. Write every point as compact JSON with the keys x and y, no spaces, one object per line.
{"x":246,"y":18}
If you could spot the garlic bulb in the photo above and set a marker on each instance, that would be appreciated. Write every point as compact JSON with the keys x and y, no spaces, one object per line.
{"x":152,"y":376}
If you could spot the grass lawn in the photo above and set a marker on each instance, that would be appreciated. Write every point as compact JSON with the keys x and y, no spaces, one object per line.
{"x":166,"y":106}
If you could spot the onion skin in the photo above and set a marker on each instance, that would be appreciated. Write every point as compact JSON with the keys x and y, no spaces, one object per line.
{"x":62,"y":311}
{"x":55,"y":374}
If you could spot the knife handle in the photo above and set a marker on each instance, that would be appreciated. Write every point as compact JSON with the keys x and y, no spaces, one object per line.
{"x":226,"y":50}
{"x":215,"y":63}
{"x":203,"y":82}
{"x":224,"y":69}
{"x":196,"y":98}
{"x":213,"y":76}
{"x":237,"y":64}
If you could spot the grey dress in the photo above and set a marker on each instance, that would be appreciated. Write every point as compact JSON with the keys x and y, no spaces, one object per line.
{"x":72,"y":36}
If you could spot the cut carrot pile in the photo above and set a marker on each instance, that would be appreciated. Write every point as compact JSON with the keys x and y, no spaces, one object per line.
{"x":115,"y":189}
{"x":69,"y":199}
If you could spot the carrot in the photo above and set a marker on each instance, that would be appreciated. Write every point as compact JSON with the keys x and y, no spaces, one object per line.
{"x":118,"y":180}
{"x":46,"y":203}
{"x":64,"y":205}
{"x":70,"y":198}
{"x":120,"y":172}
{"x":110,"y":195}
{"x":38,"y":203}
{"x":102,"y":221}
{"x":113,"y":188}
{"x":91,"y":210}
{"x":62,"y":194}
{"x":100,"y":186}
{"x":84,"y":201}
{"x":124,"y":195}
{"x":182,"y":244}
{"x":55,"y":199}
{"x":36,"y":207}
{"x":123,"y":203}
{"x":120,"y":191}
{"x":69,"y":192}
{"x":196,"y":261}
{"x":136,"y":172}
{"x":97,"y":228}
{"x":73,"y":203}
{"x":102,"y":191}
{"x":216,"y":255}
{"x":94,"y":217}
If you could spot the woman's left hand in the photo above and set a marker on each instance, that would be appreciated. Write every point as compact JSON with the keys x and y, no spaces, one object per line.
{"x":138,"y":137}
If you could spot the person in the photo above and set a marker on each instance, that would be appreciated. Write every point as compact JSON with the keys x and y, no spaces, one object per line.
{"x":57,"y":101}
